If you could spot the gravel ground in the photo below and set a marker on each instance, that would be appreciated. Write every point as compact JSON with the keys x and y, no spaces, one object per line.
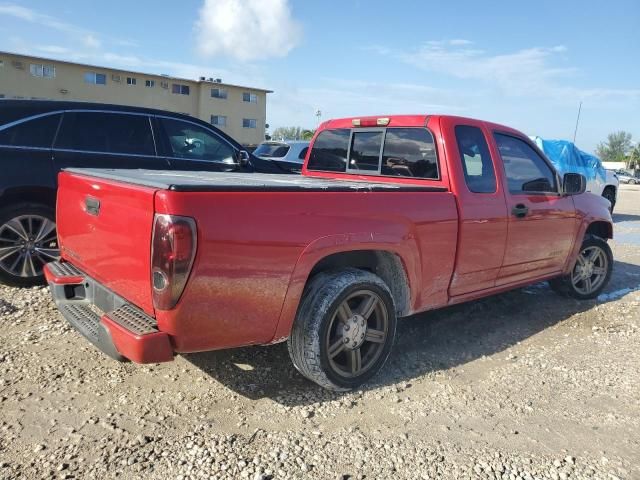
{"x":518,"y":386}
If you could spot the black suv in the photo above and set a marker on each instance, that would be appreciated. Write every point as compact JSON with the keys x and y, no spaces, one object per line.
{"x":39,"y":138}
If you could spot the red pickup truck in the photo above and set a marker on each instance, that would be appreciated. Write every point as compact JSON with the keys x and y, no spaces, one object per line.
{"x":392,"y":216}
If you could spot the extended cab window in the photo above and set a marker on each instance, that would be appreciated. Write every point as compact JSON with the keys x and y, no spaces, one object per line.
{"x":106,"y":132}
{"x":409,"y":152}
{"x":479,"y":174}
{"x":38,"y":132}
{"x":526,"y":170}
{"x":193,"y":142}
{"x":329,"y":152}
{"x":365,"y":150}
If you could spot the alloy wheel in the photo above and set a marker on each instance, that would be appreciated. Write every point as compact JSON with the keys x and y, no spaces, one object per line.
{"x":27,"y":243}
{"x":357,"y":334}
{"x":590,"y":270}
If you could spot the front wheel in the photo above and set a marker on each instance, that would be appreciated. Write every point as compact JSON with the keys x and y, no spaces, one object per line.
{"x":344,"y":329}
{"x":591,"y":272}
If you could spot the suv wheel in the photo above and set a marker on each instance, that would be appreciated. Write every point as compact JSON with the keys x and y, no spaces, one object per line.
{"x":344,"y":329}
{"x":27,"y":241}
{"x":591,"y":272}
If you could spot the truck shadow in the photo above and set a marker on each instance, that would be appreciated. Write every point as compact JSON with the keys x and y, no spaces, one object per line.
{"x":427,"y":342}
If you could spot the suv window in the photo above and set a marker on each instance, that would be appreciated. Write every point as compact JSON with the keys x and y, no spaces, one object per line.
{"x":106,"y":132}
{"x":479,"y":174}
{"x":526,"y":170}
{"x":329,"y":152}
{"x":409,"y":152}
{"x":38,"y":132}
{"x":276,"y":150}
{"x":191,"y":141}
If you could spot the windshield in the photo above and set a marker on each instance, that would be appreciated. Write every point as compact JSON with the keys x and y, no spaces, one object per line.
{"x":276,"y":150}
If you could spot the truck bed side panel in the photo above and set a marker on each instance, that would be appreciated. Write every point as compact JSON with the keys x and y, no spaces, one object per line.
{"x":250,"y":244}
{"x":111,"y":242}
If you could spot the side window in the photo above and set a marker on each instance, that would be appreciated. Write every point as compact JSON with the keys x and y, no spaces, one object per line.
{"x":409,"y":152}
{"x":193,"y":142}
{"x":479,"y":174}
{"x":365,"y":150}
{"x":303,"y":153}
{"x":525,"y":169}
{"x":106,"y":132}
{"x":38,"y":132}
{"x":329,"y":151}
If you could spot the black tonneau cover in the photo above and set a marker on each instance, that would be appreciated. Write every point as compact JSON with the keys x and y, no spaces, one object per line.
{"x":182,"y":181}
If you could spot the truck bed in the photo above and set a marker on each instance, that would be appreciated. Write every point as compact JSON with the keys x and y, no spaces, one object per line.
{"x":224,"y":181}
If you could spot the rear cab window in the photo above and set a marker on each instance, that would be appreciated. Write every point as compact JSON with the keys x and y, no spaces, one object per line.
{"x":397,"y":152}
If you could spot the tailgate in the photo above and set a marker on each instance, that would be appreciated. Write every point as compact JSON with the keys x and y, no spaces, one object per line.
{"x":104,"y":228}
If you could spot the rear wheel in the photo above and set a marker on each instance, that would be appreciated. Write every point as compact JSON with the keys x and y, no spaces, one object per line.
{"x":591,"y":272}
{"x":344,"y":329}
{"x":28,"y":241}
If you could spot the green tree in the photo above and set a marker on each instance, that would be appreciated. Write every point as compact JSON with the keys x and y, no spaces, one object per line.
{"x":633,"y":161}
{"x":287,"y":133}
{"x":292,"y":133}
{"x":308,"y":134}
{"x":616,"y":148}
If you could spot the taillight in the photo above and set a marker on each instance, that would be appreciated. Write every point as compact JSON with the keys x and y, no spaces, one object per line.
{"x":173,"y":249}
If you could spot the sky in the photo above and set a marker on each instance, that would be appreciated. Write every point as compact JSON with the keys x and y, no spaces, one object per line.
{"x":524,"y":64}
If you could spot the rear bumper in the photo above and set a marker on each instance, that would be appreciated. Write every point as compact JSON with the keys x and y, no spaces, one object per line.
{"x":123,"y":332}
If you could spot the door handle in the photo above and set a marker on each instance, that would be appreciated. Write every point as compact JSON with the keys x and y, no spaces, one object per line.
{"x":520,"y":210}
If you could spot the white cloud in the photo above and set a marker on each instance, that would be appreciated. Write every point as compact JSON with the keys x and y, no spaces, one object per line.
{"x":91,"y":41}
{"x":247,"y":29}
{"x":52,"y":49}
{"x":87,"y":37}
{"x":523,"y":73}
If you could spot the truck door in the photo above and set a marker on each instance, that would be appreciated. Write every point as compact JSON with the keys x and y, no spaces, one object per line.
{"x":482,"y":212}
{"x":542,"y":222}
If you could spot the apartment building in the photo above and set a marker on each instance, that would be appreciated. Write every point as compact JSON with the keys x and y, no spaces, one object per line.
{"x":238,"y":110}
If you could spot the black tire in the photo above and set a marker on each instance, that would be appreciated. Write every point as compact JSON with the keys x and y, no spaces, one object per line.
{"x":315,"y":326}
{"x":33,"y":274}
{"x":610,"y":194}
{"x":566,"y":285}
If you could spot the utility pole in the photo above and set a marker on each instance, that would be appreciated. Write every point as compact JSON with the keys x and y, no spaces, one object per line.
{"x":319,"y":116}
{"x":577,"y":121}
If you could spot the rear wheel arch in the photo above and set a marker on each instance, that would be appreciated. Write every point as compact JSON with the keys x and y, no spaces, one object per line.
{"x":383,"y":263}
{"x":29,"y":194}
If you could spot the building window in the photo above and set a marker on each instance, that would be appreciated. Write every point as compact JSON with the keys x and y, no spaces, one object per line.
{"x":219,"y":120}
{"x":39,"y":70}
{"x":219,"y":93}
{"x":179,"y":89}
{"x":115,"y":78}
{"x":95,"y":78}
{"x":149,"y":83}
{"x":249,"y":97}
{"x":131,"y":81}
{"x":249,"y":123}
{"x":164,"y":85}
{"x":1,"y":63}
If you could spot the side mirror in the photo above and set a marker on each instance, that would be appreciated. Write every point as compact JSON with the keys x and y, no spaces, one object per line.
{"x":574,"y":184}
{"x":243,"y":158}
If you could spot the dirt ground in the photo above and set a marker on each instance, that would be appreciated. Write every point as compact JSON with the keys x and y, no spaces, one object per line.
{"x":522,"y":385}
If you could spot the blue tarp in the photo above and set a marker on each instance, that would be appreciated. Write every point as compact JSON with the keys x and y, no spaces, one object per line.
{"x":567,"y":158}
